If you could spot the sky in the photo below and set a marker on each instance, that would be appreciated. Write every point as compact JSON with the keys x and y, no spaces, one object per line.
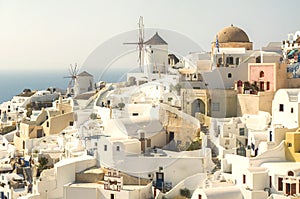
{"x":51,"y":34}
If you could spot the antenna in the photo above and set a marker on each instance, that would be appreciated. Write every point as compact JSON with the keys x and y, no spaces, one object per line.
{"x":140,"y":43}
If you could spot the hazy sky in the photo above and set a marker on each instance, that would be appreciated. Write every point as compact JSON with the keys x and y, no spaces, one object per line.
{"x":51,"y":34}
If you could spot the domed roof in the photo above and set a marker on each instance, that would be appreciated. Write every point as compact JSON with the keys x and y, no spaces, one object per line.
{"x":232,"y":34}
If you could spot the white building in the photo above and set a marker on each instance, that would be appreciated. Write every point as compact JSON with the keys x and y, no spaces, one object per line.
{"x":13,"y":186}
{"x":83,"y":83}
{"x":126,"y":155}
{"x":219,"y":192}
{"x":156,"y":55}
{"x":51,"y":182}
{"x":286,"y":109}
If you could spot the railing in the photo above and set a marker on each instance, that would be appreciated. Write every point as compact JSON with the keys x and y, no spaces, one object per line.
{"x":164,"y":186}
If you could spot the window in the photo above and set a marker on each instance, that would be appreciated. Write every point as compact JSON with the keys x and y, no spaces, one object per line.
{"x":239,"y":83}
{"x":199,"y":196}
{"x":96,"y":144}
{"x":39,"y":133}
{"x":71,"y":123}
{"x":270,"y":181}
{"x":257,"y":59}
{"x":47,"y":124}
{"x":118,"y":148}
{"x":281,"y":107}
{"x":135,"y":114}
{"x":290,"y":173}
{"x":229,"y":75}
{"x":237,"y":61}
{"x":220,"y":60}
{"x":229,"y":60}
{"x":242,"y":131}
{"x":280,"y":185}
{"x":226,"y":142}
{"x":292,"y":110}
{"x":289,"y":144}
{"x":244,"y":179}
{"x":170,"y":99}
{"x":268,"y":85}
{"x":215,"y":106}
{"x":105,"y":147}
{"x":261,"y":74}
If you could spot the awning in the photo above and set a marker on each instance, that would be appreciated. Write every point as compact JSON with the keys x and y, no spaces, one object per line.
{"x":292,"y":52}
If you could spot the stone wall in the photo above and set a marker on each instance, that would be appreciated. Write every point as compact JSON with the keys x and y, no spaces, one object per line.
{"x":184,"y":127}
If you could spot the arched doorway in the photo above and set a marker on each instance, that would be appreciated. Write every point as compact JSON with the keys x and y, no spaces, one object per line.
{"x":198,"y":106}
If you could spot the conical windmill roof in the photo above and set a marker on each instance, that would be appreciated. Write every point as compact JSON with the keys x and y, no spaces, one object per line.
{"x":156,"y":40}
{"x":84,"y":73}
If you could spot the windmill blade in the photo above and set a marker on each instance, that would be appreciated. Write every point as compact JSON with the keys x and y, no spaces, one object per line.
{"x":75,"y":70}
{"x":70,"y":69}
{"x":140,"y":43}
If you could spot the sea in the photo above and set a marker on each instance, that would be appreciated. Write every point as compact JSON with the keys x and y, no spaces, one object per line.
{"x":15,"y":81}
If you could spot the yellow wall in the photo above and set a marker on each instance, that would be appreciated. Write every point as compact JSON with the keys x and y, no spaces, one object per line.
{"x":292,"y":146}
{"x":58,"y":123}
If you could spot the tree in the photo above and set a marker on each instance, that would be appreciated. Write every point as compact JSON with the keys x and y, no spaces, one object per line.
{"x":43,"y":162}
{"x":29,"y":109}
{"x":178,"y":87}
{"x":121,"y":105}
{"x":26,"y":90}
{"x":185,"y":192}
{"x":93,"y":116}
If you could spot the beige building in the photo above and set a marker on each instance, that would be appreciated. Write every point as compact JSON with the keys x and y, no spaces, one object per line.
{"x":181,"y":128}
{"x":217,"y":103}
{"x":48,"y":122}
{"x":252,"y":104}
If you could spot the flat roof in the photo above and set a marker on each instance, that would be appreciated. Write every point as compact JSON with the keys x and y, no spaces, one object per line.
{"x":73,"y":160}
{"x":282,"y":167}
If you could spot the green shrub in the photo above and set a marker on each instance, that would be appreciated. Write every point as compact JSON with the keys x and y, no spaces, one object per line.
{"x":185,"y":192}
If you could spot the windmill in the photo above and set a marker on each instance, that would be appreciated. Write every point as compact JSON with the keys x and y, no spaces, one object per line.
{"x":73,"y":71}
{"x":140,"y":43}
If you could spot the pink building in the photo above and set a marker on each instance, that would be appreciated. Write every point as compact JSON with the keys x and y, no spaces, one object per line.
{"x":267,"y":76}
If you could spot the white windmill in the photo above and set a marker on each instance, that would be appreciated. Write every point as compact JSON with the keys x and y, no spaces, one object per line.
{"x":73,"y":71}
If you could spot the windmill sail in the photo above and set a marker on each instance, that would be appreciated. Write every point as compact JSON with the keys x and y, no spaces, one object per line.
{"x":73,"y":71}
{"x":140,"y":43}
